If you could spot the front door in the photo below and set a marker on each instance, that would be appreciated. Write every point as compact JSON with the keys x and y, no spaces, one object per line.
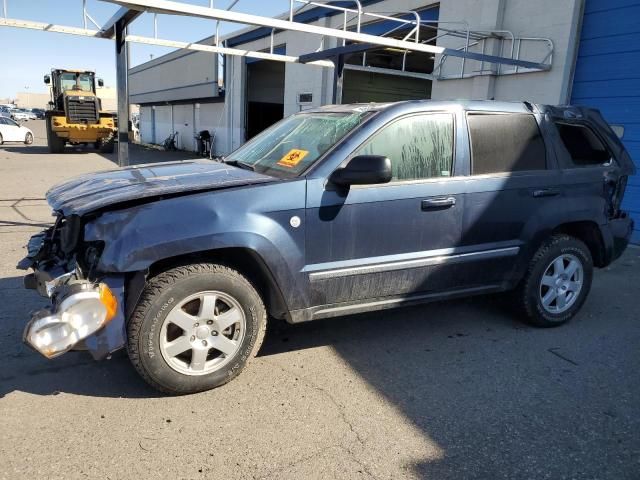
{"x":391,"y":240}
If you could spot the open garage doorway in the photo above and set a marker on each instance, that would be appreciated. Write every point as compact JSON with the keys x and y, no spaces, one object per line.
{"x":388,"y":74}
{"x":362,"y":87}
{"x":265,"y":95}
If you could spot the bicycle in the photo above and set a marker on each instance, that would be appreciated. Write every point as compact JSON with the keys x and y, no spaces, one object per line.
{"x":170,"y":142}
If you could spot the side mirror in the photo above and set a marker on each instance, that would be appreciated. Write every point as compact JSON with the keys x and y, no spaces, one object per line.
{"x":363,"y":170}
{"x":47,"y":79}
{"x":100,"y":82}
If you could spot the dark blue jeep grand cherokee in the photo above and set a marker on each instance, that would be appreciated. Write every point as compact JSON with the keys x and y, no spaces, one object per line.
{"x":330,"y":212}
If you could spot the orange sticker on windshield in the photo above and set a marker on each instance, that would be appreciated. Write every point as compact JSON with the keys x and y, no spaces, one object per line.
{"x":293,"y":158}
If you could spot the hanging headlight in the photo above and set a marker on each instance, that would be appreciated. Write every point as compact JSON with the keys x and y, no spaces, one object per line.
{"x":80,"y":313}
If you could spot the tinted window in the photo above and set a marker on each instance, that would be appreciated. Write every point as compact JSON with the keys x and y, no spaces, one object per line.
{"x":2,"y":122}
{"x":584,"y":147}
{"x":419,"y":147}
{"x":505,"y":143}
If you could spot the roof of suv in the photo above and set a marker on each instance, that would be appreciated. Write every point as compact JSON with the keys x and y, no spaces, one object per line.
{"x":483,"y":105}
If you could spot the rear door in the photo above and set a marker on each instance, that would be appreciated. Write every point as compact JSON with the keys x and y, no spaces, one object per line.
{"x":513,"y":189}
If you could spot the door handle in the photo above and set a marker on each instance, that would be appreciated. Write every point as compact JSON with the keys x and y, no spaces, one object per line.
{"x":438,"y":203}
{"x":545,"y":192}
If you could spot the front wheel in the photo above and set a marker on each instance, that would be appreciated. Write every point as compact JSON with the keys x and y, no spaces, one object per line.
{"x":28,"y":138}
{"x":557,"y":282}
{"x":195,"y":327}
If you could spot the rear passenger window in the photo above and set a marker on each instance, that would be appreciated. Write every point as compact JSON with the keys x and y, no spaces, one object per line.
{"x":419,"y":146}
{"x":584,"y":147}
{"x":505,"y":143}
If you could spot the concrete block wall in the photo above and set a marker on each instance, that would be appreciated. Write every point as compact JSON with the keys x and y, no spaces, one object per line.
{"x":557,"y":20}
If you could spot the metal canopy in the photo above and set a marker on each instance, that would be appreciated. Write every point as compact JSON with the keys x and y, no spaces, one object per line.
{"x":116,"y":29}
{"x":124,"y":15}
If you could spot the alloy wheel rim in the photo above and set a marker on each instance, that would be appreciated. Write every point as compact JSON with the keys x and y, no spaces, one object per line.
{"x":202,"y":333}
{"x":561,"y":283}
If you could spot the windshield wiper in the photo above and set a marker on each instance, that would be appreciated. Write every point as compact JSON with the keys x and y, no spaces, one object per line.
{"x":243,"y":165}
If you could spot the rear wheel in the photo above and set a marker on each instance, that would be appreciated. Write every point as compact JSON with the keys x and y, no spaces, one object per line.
{"x":557,"y":282}
{"x":195,"y":327}
{"x":28,"y":138}
{"x":1,"y":139}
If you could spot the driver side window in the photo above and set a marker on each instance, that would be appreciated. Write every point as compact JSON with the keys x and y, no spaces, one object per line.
{"x":419,"y":146}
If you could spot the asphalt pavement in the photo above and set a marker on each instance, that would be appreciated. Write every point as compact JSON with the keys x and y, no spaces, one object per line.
{"x":451,"y":390}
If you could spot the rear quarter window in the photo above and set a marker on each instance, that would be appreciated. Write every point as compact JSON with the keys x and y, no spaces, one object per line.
{"x":504,"y":143}
{"x":583,"y":145}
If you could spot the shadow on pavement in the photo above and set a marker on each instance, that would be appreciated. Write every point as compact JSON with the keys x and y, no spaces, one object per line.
{"x":44,"y":150}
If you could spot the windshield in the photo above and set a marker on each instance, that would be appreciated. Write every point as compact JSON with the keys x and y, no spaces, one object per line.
{"x":292,"y":145}
{"x":84,"y":83}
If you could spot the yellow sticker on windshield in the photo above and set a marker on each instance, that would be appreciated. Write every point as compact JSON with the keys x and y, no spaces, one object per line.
{"x":293,"y":158}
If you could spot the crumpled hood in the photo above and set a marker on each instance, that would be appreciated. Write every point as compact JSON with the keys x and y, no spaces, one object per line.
{"x":94,"y":191}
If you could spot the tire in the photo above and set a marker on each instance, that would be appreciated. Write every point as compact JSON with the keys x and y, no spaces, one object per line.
{"x":28,"y":138}
{"x":551,"y":293}
{"x":155,"y":341}
{"x":55,"y":143}
{"x":107,"y":147}
{"x":1,"y":139}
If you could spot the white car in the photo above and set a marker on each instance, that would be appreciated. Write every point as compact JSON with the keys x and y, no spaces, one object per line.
{"x":21,"y":115}
{"x":10,"y":131}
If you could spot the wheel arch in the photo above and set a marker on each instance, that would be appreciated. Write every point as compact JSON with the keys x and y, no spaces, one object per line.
{"x":588,"y":232}
{"x":246,"y":261}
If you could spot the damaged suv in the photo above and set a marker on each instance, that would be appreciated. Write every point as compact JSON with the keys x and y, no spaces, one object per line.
{"x":330,"y":212}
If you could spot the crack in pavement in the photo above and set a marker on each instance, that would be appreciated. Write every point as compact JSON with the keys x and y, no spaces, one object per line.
{"x":339,"y":407}
{"x":343,"y":417}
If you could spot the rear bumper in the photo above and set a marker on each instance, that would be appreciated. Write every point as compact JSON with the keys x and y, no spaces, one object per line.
{"x":617,"y":234}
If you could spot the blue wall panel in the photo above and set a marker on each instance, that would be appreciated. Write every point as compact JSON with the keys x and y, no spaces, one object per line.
{"x":607,"y":77}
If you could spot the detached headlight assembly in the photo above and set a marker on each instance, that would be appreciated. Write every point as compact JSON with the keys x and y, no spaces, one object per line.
{"x":81,"y":312}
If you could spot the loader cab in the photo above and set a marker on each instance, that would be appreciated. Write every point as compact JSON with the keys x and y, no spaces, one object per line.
{"x":70,"y":82}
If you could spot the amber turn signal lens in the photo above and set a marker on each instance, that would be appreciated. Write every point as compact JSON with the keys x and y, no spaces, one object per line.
{"x":108,"y":299}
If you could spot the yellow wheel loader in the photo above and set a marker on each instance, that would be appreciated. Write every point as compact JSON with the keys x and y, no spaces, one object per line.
{"x":75,"y":113}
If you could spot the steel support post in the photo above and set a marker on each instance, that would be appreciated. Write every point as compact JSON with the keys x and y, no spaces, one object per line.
{"x":123,"y":93}
{"x":338,"y":75}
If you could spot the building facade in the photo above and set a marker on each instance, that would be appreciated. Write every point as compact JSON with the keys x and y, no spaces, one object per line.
{"x":41,"y":100}
{"x":589,"y":45}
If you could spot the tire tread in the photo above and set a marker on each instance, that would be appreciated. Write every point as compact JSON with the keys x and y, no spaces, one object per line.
{"x":153,"y":288}
{"x":523,"y":301}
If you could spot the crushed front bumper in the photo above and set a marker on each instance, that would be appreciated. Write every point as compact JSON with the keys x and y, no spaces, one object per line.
{"x":82,"y":312}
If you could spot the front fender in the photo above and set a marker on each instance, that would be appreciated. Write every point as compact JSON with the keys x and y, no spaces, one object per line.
{"x":136,"y":238}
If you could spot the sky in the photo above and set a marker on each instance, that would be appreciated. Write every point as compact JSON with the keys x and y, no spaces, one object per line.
{"x":29,"y":54}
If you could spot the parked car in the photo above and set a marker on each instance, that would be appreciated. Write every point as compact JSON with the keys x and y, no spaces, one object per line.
{"x":38,"y":113}
{"x":21,"y":114}
{"x":332,"y":211}
{"x":10,"y":131}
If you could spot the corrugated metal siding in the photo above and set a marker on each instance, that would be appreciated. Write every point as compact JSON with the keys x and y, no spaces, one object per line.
{"x":607,"y":76}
